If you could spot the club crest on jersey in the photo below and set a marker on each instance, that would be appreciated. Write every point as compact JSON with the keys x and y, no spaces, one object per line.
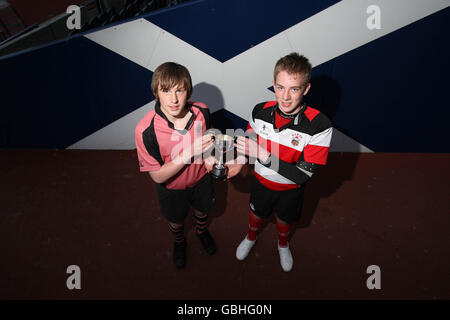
{"x":296,"y":139}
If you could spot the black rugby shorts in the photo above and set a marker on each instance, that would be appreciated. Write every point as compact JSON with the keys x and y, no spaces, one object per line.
{"x":286,"y":204}
{"x":175,"y":204}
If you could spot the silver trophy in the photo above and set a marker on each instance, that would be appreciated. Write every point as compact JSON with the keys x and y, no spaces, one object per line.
{"x":223,"y":143}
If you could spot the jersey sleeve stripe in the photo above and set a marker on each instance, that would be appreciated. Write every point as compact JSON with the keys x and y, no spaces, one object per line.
{"x":204,"y":110}
{"x":269,"y":104}
{"x":146,"y":161}
{"x":148,"y":151}
{"x":311,"y":113}
{"x":322,"y":138}
{"x":316,"y":154}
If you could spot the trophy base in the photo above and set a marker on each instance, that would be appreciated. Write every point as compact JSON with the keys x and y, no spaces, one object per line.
{"x":219,"y":173}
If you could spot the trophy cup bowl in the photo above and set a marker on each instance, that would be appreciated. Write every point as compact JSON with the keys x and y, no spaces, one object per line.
{"x":222,"y":143}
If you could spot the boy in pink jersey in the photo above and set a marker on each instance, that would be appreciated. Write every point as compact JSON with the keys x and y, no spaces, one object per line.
{"x":170,"y":141}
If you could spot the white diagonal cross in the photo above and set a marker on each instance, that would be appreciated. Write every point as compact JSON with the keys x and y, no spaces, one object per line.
{"x":242,"y":81}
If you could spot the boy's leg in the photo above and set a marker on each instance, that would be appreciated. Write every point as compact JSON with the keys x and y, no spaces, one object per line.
{"x":179,"y":247}
{"x":254,"y":224}
{"x":283,"y":229}
{"x":174,"y":206}
{"x":286,"y":259}
{"x":202,"y":232}
{"x":202,"y":199}
{"x":178,"y":231}
{"x":261,"y":203}
{"x":288,"y":209}
{"x":201,"y":222}
{"x":247,"y":244}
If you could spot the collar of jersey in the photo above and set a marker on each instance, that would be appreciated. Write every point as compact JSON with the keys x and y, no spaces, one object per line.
{"x":290,"y":123}
{"x":170,"y":124}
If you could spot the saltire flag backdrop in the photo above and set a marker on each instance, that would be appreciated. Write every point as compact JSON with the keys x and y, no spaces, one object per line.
{"x":384,"y":89}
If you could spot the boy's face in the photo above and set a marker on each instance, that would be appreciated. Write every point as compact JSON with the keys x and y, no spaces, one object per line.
{"x":173,"y":100}
{"x":289,"y":90}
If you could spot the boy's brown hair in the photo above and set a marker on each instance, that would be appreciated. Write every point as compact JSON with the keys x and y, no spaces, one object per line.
{"x":293,"y":63}
{"x":170,"y":74}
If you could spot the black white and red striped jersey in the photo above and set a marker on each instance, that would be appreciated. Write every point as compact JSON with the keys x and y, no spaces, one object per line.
{"x":307,"y":138}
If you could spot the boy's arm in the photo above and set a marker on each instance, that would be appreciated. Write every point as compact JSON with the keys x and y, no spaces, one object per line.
{"x":171,"y":168}
{"x":235,"y":166}
{"x":314,"y":154}
{"x":299,"y":172}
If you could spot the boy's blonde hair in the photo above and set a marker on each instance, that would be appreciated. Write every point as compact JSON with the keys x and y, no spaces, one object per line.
{"x":293,"y":63}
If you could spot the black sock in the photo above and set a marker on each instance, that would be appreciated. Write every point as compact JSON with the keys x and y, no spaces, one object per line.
{"x":178,"y":232}
{"x":200,"y":222}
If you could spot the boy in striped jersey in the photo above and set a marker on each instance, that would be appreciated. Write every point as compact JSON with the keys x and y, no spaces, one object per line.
{"x":287,"y":140}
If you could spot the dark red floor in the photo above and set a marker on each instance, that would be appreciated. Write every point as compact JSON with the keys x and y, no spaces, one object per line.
{"x":95,"y":210}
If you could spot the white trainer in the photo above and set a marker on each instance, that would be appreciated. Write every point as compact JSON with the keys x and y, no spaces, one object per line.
{"x":286,"y":259}
{"x":244,"y":248}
